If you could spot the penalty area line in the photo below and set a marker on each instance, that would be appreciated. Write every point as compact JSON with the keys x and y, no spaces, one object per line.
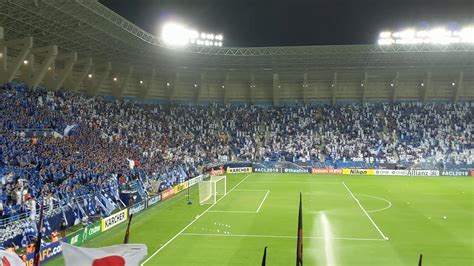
{"x":282,"y":236}
{"x":368,"y":216}
{"x":192,"y":222}
{"x":264,"y":198}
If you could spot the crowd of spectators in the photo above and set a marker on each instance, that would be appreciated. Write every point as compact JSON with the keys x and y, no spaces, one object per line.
{"x":98,"y":138}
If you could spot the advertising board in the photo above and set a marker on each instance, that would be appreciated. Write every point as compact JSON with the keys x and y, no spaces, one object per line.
{"x":358,"y":171}
{"x":114,"y":219}
{"x":326,"y":171}
{"x":239,"y":170}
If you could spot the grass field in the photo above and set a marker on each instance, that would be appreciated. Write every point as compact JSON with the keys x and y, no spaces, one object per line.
{"x":345,"y":222}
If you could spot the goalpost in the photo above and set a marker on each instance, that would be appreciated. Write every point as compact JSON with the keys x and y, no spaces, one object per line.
{"x":212,"y":189}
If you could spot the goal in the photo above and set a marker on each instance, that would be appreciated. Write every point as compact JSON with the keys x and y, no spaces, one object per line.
{"x":212,"y":189}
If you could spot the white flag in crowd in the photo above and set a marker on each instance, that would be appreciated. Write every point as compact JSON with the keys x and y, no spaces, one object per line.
{"x":119,"y":255}
{"x":68,"y":129}
{"x":131,"y":163}
{"x":10,"y":259}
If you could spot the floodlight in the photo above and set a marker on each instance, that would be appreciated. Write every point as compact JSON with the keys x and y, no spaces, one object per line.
{"x":141,"y":81}
{"x":422,"y":34}
{"x":203,"y":35}
{"x":467,"y":34}
{"x":408,"y":33}
{"x":422,"y":84}
{"x":167,"y":84}
{"x":206,"y":43}
{"x":219,"y":37}
{"x":210,"y":36}
{"x":453,"y":84}
{"x":1,"y":55}
{"x":115,"y":79}
{"x":195,"y":85}
{"x":332,"y":85}
{"x":385,"y":41}
{"x":362,"y":84}
{"x":223,"y":86}
{"x":25,"y":62}
{"x":193,"y":34}
{"x":391,"y":85}
{"x":49,"y":68}
{"x":90,"y":76}
{"x":175,"y":34}
{"x":385,"y":34}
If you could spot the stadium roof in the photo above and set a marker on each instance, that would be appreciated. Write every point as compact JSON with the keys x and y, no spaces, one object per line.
{"x":92,"y":30}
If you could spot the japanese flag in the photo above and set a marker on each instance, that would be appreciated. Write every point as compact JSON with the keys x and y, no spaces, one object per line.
{"x":119,"y":255}
{"x":10,"y":259}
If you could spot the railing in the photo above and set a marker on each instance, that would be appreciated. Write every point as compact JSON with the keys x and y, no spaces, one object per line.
{"x":57,"y":206}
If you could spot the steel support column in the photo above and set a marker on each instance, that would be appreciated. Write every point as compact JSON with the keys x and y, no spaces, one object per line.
{"x":172,"y":86}
{"x":334,"y":89}
{"x":82,"y":74}
{"x":226,"y":82}
{"x":458,"y":87}
{"x":37,"y":75}
{"x":70,"y":60}
{"x":118,"y":92}
{"x":304,"y":87}
{"x":427,"y":87}
{"x":364,"y":87}
{"x":94,"y":90}
{"x":8,"y":71}
{"x":276,"y":89}
{"x":145,"y":90}
{"x":394,"y":86}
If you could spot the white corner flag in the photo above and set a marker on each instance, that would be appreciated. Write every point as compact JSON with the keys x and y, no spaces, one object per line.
{"x":119,"y":255}
{"x":10,"y":259}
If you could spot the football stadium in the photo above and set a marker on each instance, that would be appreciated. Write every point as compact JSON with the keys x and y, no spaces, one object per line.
{"x":122,"y":146}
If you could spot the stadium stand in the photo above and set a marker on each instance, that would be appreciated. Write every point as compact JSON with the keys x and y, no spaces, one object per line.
{"x":96,"y":139}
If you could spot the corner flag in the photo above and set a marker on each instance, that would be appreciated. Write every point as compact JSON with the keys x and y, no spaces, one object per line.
{"x":420,"y":261}
{"x":264,"y":260}
{"x":299,"y":247}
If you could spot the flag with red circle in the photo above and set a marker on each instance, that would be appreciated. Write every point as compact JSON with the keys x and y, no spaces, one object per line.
{"x":119,"y":255}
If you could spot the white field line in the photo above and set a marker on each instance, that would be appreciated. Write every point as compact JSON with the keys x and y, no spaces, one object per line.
{"x":389,"y":204}
{"x":192,"y":222}
{"x":294,"y":182}
{"x":368,"y":216}
{"x":283,"y":236}
{"x":261,"y":203}
{"x":328,"y":240}
{"x":233,"y":212}
{"x":252,"y":190}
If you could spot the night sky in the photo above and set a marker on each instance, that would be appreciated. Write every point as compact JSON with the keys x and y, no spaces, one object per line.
{"x":296,"y":22}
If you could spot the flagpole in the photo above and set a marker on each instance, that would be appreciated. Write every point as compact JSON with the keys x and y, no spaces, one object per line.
{"x":127,"y":232}
{"x":264,"y":259}
{"x":299,"y":245}
{"x":39,"y":235}
{"x":189,"y":195}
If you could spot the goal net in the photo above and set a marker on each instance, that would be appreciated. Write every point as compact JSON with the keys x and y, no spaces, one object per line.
{"x":212,"y":189}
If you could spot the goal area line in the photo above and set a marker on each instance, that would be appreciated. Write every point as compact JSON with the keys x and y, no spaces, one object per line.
{"x":281,"y":236}
{"x":251,"y":212}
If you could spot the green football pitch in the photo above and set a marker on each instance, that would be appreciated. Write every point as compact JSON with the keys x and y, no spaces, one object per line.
{"x":347,"y":220}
